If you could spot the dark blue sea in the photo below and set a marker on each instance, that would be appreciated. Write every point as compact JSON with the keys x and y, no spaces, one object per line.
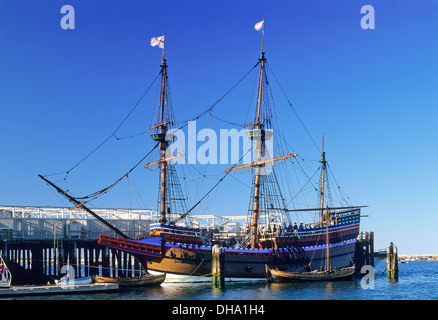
{"x":418,"y":280}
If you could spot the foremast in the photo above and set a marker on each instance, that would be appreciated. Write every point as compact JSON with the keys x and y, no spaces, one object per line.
{"x":160,"y":136}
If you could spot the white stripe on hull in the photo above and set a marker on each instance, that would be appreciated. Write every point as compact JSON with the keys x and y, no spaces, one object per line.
{"x":178,"y":278}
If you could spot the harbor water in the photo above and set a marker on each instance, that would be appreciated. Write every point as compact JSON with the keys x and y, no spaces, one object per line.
{"x":418,"y":280}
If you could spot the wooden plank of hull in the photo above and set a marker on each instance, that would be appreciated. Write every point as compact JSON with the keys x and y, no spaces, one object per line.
{"x":235,"y":266}
{"x":178,"y":266}
{"x":339,"y":256}
{"x":196,"y":261}
{"x":239,"y":269}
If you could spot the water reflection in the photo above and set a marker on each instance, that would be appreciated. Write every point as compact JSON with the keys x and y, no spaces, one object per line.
{"x":418,"y":280}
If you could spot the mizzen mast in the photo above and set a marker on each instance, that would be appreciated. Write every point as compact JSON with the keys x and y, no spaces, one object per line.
{"x":323,"y":174}
{"x":163,"y":143}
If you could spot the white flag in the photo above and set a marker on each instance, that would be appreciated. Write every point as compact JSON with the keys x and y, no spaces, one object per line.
{"x":158,"y":41}
{"x":259,"y":25}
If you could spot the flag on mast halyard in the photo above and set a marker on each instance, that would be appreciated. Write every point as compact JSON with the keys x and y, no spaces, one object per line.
{"x":259,"y":25}
{"x":158,"y":41}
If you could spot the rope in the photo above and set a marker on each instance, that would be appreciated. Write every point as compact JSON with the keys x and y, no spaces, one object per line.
{"x":147,"y":90}
{"x":98,"y":193}
{"x":214,"y":187}
{"x":293,"y":109}
{"x":209,"y":110}
{"x":112,"y":134}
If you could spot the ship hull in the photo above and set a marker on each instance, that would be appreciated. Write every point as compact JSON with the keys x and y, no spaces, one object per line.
{"x":295,"y":251}
{"x":250,"y":266}
{"x":250,"y":263}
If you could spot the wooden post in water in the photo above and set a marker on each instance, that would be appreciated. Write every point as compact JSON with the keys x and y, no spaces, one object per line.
{"x":372,"y":248}
{"x":106,"y":262}
{"x":392,"y":262}
{"x":217,"y":267}
{"x":366,"y":244}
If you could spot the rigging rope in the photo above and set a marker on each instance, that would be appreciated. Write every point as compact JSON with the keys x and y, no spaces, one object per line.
{"x":209,"y":110}
{"x":98,"y":193}
{"x":134,"y":107}
{"x":293,"y":109}
{"x":214,"y":187}
{"x":118,"y":127}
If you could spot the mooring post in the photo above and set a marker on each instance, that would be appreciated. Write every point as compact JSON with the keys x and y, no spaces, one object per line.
{"x":106,"y":262}
{"x":217,"y":266}
{"x":372,"y":248}
{"x":392,"y":262}
{"x":367,"y":248}
{"x":37,"y":260}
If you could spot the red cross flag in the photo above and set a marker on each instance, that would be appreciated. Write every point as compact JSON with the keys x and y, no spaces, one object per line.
{"x":158,"y":41}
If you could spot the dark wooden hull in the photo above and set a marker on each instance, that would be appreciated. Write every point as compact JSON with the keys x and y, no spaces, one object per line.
{"x":294,"y":251}
{"x":242,"y":263}
{"x":239,"y":263}
{"x":334,"y":275}
{"x":146,"y":281}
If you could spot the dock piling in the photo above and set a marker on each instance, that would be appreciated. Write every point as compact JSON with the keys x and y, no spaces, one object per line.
{"x":392,"y":262}
{"x":217,"y":267}
{"x":364,"y":252}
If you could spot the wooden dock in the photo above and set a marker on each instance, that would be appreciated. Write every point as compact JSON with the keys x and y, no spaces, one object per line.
{"x":17,"y":291}
{"x":364,"y":253}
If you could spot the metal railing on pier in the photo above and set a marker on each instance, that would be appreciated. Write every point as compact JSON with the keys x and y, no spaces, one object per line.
{"x":33,"y":223}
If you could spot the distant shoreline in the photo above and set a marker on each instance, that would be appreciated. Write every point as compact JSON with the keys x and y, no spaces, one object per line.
{"x":419,"y":256}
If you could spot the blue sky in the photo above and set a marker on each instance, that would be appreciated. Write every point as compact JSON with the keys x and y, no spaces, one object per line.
{"x":372,"y":92}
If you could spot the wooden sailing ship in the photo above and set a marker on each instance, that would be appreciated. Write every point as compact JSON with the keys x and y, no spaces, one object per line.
{"x":174,"y":249}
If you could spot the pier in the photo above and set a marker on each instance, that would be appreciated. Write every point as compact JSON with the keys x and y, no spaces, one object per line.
{"x":20,"y":291}
{"x":41,"y":262}
{"x":43,"y":244}
{"x":40,"y":244}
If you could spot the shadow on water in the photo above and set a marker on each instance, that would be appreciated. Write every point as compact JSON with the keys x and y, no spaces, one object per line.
{"x":259,"y":290}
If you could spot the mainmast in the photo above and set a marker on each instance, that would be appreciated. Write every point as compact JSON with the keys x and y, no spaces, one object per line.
{"x":260,"y":133}
{"x":259,"y":145}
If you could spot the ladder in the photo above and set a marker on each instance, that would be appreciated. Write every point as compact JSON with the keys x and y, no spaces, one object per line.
{"x":5,"y":275}
{"x":246,"y":240}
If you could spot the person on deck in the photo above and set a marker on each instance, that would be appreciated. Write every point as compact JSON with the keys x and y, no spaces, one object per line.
{"x":283,"y":228}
